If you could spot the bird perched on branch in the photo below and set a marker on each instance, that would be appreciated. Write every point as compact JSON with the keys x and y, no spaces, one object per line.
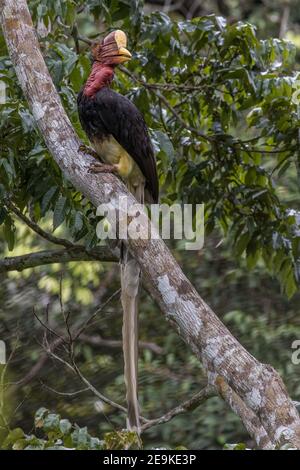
{"x":119,"y":136}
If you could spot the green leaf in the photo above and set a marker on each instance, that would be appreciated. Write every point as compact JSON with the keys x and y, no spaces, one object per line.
{"x":3,"y":214}
{"x":59,"y":212}
{"x":40,"y":417}
{"x":14,"y":436}
{"x":242,"y":243}
{"x":51,"y":423}
{"x":65,"y":426}
{"x":9,"y":233}
{"x":47,"y":198}
{"x":165,"y":144}
{"x":290,"y":285}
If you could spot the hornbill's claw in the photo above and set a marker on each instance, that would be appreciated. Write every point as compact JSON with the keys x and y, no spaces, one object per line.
{"x":88,"y":150}
{"x":102,"y":168}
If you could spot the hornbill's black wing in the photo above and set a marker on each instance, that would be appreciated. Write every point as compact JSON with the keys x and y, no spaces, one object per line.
{"x":125,"y":123}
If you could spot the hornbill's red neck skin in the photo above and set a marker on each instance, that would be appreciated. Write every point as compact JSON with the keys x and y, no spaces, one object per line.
{"x":100,"y":76}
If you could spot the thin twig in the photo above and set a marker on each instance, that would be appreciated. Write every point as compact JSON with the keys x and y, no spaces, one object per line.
{"x":38,"y":365}
{"x":36,"y":228}
{"x":53,"y":332}
{"x":188,"y":405}
{"x":64,"y":394}
{"x":88,"y":321}
{"x":85,"y":40}
{"x":164,"y":100}
{"x":74,"y":368}
{"x":66,"y":317}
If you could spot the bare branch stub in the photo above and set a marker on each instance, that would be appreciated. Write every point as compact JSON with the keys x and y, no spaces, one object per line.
{"x":184,"y":407}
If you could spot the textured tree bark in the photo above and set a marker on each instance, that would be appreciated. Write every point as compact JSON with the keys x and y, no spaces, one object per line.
{"x":258,"y":385}
{"x":250,"y":419}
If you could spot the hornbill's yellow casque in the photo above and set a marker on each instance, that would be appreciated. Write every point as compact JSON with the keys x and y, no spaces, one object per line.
{"x":119,"y":136}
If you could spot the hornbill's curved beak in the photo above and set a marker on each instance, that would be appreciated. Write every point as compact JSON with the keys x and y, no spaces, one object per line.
{"x":124,"y":53}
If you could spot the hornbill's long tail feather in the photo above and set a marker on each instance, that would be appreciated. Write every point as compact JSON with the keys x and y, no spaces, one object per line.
{"x":130,"y":276}
{"x":130,"y":279}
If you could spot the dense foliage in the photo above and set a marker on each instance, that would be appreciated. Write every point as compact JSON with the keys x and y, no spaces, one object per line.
{"x":210,"y":90}
{"x":223,"y":114}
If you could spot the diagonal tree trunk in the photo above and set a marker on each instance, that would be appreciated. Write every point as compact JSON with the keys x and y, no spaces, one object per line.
{"x":257,"y":385}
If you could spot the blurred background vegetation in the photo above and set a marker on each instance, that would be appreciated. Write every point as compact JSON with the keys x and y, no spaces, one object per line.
{"x":233,"y":83}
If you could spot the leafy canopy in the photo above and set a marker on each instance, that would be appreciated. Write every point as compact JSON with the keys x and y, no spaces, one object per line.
{"x":219,"y":106}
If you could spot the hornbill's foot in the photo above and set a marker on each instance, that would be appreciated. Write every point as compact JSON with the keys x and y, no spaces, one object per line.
{"x":103,"y":168}
{"x":88,"y":150}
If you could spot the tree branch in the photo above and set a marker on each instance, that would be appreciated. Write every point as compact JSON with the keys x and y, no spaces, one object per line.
{"x":64,"y":394}
{"x":74,"y":368}
{"x":36,"y":228}
{"x":188,"y":405}
{"x":184,"y":407}
{"x":78,"y":253}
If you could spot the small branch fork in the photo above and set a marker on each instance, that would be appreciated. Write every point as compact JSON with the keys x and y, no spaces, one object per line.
{"x":68,"y":342}
{"x":188,"y":405}
{"x":72,"y":251}
{"x":36,"y":228}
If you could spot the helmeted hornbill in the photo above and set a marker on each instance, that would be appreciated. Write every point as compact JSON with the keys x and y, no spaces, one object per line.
{"x":113,"y":124}
{"x":119,"y":135}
